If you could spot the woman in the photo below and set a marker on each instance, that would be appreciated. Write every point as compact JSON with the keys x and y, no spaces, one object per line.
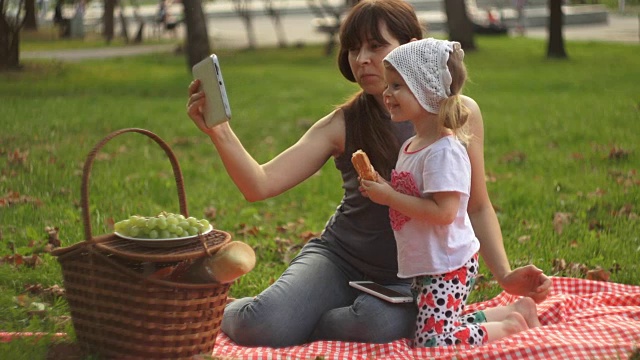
{"x":312,"y":300}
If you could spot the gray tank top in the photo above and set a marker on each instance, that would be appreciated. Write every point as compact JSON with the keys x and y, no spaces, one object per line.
{"x":359,"y":231}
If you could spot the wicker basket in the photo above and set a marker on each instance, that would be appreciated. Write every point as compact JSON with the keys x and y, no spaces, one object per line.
{"x":118,"y":311}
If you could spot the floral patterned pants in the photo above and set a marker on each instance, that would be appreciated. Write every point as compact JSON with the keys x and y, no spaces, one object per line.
{"x":441,"y":300}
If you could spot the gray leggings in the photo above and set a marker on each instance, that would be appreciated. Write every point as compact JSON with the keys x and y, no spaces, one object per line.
{"x":312,"y":300}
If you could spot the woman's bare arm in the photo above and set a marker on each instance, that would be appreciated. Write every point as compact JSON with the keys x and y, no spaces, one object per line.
{"x":295,"y":164}
{"x":527,"y":280}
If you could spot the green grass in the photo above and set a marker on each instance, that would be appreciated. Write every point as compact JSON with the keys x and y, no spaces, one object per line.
{"x":561,"y":137}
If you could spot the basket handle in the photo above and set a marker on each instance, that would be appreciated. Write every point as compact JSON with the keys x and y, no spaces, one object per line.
{"x":84,"y":199}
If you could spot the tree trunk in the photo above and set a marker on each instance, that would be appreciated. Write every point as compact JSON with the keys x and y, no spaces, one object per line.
{"x":30,"y":22}
{"x":124,"y":25}
{"x":10,"y":39}
{"x":247,"y":20}
{"x":459,"y":25}
{"x":555,"y":45}
{"x":243,"y":9}
{"x":108,"y":20}
{"x":197,"y":42}
{"x":276,"y":17}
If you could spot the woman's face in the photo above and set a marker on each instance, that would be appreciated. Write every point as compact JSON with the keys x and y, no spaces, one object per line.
{"x":366,"y":61}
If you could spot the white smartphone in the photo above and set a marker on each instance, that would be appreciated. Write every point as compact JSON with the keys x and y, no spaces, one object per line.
{"x":217,"y":109}
{"x":382,"y":292}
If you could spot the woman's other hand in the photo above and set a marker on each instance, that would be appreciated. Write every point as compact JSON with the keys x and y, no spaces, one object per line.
{"x":527,"y":281}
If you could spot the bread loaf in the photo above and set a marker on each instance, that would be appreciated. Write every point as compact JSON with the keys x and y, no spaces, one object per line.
{"x":363,"y":166}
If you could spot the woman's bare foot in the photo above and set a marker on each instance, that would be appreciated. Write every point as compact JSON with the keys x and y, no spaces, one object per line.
{"x":527,"y":308}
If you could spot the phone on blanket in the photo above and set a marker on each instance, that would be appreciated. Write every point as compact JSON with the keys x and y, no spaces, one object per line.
{"x":381,"y":292}
{"x":217,"y":109}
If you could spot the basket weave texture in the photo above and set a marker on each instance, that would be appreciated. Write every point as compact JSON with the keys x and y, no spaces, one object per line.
{"x":118,"y":311}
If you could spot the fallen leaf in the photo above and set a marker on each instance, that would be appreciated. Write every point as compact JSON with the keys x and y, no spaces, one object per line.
{"x":560,"y":219}
{"x":30,"y":260}
{"x":559,"y":265}
{"x":308,"y":235}
{"x":53,"y":236}
{"x":617,"y":153}
{"x":595,"y":225}
{"x":578,"y":269}
{"x":598,"y":274}
{"x":245,"y":230}
{"x":14,"y":197}
{"x":18,"y":157}
{"x":514,"y":157}
{"x":211,"y":213}
{"x":524,"y":238}
{"x":597,"y":193}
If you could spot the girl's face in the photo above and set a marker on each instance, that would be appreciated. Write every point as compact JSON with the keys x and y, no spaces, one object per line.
{"x":398,"y":98}
{"x":366,"y":61}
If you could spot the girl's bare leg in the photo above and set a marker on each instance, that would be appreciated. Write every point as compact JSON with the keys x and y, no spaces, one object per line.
{"x":524,"y":306}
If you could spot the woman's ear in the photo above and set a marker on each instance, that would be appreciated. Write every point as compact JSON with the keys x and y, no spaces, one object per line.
{"x":413,"y":39}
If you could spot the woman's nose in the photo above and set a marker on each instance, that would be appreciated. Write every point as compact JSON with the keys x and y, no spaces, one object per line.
{"x":363,"y":56}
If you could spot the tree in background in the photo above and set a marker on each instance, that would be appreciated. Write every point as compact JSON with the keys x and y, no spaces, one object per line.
{"x":275,"y":12}
{"x":30,"y":22}
{"x":197,"y":41}
{"x":108,"y":20}
{"x":11,"y":21}
{"x":459,"y":24}
{"x":243,"y":9}
{"x":555,"y":45}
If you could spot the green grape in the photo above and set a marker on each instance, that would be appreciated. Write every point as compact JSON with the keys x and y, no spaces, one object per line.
{"x":184,"y":224}
{"x":173,"y":228}
{"x":161,"y":223}
{"x":121,"y":226}
{"x":151,"y":223}
{"x":140,"y":221}
{"x":163,"y":226}
{"x":144,"y":232}
{"x":134,"y":231}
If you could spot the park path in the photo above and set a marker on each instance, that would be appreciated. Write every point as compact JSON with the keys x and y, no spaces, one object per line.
{"x":228,"y":32}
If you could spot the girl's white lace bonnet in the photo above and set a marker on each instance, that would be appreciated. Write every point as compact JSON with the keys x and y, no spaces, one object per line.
{"x":423,"y":66}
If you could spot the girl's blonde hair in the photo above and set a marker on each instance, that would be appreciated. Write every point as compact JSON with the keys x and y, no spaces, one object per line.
{"x":453,"y":113}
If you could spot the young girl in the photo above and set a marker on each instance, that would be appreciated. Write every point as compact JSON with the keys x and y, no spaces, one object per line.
{"x":429,"y":194}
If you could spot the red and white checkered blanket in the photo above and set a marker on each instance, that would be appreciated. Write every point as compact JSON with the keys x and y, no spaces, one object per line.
{"x":581,"y":319}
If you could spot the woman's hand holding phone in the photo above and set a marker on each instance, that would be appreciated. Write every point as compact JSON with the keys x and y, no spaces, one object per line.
{"x":215,"y":108}
{"x":195,"y":106}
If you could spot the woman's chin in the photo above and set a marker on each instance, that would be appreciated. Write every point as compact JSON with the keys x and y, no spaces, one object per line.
{"x":371,"y":87}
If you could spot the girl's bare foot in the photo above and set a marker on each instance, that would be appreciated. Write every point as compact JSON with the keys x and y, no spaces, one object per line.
{"x":527,"y":308}
{"x":511,"y":324}
{"x":515,"y":323}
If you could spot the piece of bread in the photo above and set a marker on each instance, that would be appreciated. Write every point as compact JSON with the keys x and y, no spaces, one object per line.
{"x":361,"y":163}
